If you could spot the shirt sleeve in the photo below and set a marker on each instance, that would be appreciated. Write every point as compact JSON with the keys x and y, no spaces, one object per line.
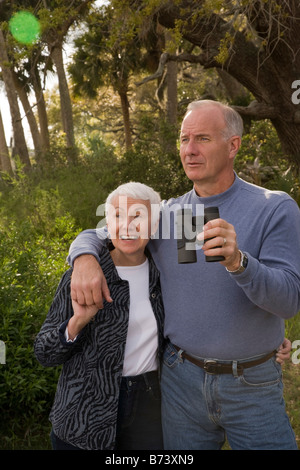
{"x":88,"y":242}
{"x":50,"y":346}
{"x":273,"y":281}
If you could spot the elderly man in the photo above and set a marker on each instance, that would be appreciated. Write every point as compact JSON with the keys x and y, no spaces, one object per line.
{"x":224,"y":321}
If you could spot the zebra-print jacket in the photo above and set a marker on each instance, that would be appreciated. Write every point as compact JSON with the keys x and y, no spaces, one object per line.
{"x":85,"y":407}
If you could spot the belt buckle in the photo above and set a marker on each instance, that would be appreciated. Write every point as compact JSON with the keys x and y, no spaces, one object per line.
{"x":211,"y":366}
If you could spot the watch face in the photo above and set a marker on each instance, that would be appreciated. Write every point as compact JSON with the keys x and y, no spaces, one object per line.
{"x":244,"y":261}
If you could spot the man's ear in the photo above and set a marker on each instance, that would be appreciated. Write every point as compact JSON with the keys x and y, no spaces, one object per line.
{"x":234,"y":143}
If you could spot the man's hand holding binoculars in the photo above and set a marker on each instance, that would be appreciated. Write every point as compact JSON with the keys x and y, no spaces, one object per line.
{"x":220,"y":239}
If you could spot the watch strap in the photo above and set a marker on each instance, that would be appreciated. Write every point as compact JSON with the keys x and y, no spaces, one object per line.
{"x":243,"y":264}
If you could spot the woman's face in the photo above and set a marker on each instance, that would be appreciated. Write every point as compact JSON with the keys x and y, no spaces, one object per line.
{"x":129,"y":225}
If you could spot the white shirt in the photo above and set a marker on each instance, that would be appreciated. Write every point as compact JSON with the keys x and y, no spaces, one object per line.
{"x":142,"y":337}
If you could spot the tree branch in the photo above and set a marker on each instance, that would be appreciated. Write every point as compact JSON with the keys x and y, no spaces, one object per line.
{"x":257,"y":110}
{"x":166,"y":57}
{"x":159,"y":72}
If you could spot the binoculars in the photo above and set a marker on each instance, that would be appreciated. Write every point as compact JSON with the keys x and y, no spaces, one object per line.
{"x":188,"y":226}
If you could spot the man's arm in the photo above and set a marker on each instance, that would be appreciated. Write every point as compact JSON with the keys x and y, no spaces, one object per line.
{"x":88,"y":283}
{"x":87,"y":242}
{"x":273,"y":281}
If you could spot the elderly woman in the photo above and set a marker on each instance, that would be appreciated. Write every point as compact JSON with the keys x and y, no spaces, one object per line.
{"x":108,"y":394}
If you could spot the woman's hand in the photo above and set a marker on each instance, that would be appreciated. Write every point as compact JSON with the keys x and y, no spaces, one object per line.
{"x":83,"y":314}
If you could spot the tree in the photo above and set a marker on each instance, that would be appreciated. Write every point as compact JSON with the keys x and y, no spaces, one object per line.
{"x":20,"y":146}
{"x":5,"y":163}
{"x":23,"y":95}
{"x":22,"y":64}
{"x":256,"y":42}
{"x":57,"y":17}
{"x":102,"y":59}
{"x":23,"y":60}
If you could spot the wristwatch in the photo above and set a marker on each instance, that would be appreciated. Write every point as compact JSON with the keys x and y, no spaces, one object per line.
{"x":243,"y":264}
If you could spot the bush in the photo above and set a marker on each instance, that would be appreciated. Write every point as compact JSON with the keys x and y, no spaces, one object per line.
{"x":40,"y":215}
{"x":32,"y":265}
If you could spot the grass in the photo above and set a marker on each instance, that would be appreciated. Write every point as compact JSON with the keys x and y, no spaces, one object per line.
{"x":291,"y":379}
{"x":26,"y":433}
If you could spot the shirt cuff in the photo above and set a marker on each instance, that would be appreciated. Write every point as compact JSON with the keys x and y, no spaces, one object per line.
{"x":64,"y":335}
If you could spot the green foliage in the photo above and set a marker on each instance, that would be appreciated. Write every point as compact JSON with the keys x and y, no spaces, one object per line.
{"x":261,"y":161}
{"x":37,"y":224}
{"x":101,"y":57}
{"x":51,"y":192}
{"x":154,"y":160}
{"x":32,"y":264}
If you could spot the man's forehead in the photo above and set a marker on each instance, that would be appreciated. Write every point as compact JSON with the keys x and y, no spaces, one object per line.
{"x":202,"y":121}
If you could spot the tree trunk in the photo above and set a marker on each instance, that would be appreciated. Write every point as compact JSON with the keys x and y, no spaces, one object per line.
{"x":65,"y":101}
{"x":171,"y":78}
{"x":35,"y":133}
{"x":42,"y":112}
{"x":126,"y":119}
{"x":5,"y":163}
{"x":172,"y":68}
{"x":20,"y":147}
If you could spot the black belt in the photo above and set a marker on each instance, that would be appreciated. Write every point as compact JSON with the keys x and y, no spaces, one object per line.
{"x":214,"y":367}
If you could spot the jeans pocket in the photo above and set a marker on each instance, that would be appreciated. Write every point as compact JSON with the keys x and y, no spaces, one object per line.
{"x":263,"y":375}
{"x":170,"y":357}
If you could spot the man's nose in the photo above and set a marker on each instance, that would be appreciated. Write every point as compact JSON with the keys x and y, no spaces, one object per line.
{"x":191,"y":148}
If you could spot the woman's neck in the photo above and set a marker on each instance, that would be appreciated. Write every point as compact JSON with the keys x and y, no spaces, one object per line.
{"x":122,"y":259}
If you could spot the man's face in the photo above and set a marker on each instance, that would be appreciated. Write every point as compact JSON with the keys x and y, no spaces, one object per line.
{"x":205,"y":153}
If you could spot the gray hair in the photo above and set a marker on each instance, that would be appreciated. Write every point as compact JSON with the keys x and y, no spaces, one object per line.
{"x":137,"y":191}
{"x":233,"y":121}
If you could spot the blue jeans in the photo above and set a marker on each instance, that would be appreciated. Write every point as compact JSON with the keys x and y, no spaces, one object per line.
{"x":200,"y":409}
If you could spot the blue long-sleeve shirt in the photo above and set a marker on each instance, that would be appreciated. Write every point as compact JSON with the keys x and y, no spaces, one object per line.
{"x":211,"y":313}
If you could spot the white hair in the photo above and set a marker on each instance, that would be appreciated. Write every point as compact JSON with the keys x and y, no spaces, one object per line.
{"x":233,"y":121}
{"x":137,"y":191}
